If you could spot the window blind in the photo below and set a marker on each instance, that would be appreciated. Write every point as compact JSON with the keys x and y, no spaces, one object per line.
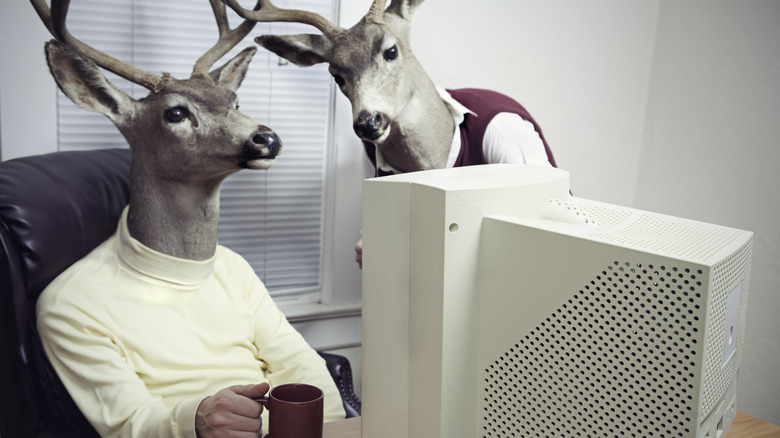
{"x":273,"y":218}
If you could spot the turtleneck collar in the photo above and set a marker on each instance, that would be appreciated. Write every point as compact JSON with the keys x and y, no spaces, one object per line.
{"x":159,"y":266}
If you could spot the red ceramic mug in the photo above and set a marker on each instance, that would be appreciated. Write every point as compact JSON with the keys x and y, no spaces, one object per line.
{"x":295,"y":410}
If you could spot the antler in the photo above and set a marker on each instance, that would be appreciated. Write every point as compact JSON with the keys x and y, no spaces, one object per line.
{"x":54,"y":19}
{"x":377,"y":11}
{"x":228,"y":38}
{"x":270,"y":13}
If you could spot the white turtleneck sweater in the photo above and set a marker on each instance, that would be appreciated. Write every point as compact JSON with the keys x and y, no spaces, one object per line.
{"x":140,"y":338}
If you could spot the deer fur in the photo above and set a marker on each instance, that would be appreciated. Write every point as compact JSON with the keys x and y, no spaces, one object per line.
{"x":177,"y":168}
{"x":185,"y":137}
{"x":395,"y":105}
{"x":413,"y":129}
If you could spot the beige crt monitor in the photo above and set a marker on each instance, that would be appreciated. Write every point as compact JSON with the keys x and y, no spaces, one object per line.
{"x":497,"y":305}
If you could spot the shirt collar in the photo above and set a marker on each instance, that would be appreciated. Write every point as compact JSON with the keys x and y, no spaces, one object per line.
{"x":159,"y":266}
{"x":458,"y":112}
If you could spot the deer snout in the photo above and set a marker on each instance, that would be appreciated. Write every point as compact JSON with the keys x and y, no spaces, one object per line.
{"x":259,"y":151}
{"x":268,"y":141}
{"x":370,"y":126}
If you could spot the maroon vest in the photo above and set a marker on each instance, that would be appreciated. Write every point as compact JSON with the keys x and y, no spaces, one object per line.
{"x":486,"y":104}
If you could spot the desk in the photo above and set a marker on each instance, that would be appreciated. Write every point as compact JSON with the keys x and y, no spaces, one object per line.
{"x":349,"y":428}
{"x":748,"y":426}
{"x":744,"y":426}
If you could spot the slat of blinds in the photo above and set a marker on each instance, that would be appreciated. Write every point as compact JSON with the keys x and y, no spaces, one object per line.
{"x":272,"y":218}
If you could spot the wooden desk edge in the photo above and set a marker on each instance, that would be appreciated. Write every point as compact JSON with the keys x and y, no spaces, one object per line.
{"x":748,"y":426}
{"x":744,"y":426}
{"x":349,"y":428}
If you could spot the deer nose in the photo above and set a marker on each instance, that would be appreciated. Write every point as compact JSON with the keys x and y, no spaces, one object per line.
{"x":270,"y":141}
{"x":370,"y":126}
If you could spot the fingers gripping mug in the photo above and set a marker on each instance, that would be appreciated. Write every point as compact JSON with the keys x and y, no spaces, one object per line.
{"x":295,"y":410}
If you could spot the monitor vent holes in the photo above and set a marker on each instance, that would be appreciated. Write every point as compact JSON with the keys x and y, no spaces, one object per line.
{"x":616,"y":360}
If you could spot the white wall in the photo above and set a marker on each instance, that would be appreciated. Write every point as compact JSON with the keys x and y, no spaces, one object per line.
{"x":711,"y":150}
{"x":580,"y":67}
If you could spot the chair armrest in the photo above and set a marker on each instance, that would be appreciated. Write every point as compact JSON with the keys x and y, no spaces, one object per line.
{"x":341,"y":371}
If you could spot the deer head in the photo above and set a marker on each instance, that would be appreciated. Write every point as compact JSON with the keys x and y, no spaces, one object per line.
{"x":186,"y":136}
{"x":395,"y":105}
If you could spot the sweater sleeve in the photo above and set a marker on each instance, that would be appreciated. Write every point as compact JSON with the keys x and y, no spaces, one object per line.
{"x":109,"y":393}
{"x":287,"y":356}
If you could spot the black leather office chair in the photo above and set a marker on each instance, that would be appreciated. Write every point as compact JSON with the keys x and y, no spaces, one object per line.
{"x":54,"y":209}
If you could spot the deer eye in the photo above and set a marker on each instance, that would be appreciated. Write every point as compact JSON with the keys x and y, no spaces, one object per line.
{"x":339,"y":80}
{"x":391,"y":53}
{"x":176,"y":114}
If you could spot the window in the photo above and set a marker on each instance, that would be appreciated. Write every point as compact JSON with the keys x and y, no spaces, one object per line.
{"x":274,"y":218}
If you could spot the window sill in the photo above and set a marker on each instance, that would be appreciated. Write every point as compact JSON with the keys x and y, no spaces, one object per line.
{"x":297,"y":312}
{"x":326,"y":326}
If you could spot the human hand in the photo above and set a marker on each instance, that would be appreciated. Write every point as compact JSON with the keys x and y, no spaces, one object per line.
{"x":231,"y":412}
{"x":359,"y":253}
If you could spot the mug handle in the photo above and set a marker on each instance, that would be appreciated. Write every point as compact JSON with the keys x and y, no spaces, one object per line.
{"x":263,"y":401}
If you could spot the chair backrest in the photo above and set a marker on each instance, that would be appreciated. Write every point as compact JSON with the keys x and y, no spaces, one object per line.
{"x":54,"y":209}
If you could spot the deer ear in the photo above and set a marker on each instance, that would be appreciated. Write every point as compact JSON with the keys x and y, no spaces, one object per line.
{"x":233,"y":72}
{"x":404,"y":8}
{"x":80,"y":79}
{"x":303,"y":50}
